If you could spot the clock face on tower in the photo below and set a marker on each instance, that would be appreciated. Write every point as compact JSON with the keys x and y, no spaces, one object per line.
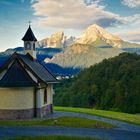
{"x":28,"y":46}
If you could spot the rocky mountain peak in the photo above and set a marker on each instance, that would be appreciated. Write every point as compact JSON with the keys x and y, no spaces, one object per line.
{"x":102,"y":32}
{"x":57,"y":40}
{"x":95,"y":33}
{"x":57,"y":36}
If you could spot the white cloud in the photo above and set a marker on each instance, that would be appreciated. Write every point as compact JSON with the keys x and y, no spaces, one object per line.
{"x":73,"y":14}
{"x":130,"y":35}
{"x":130,"y":29}
{"x":31,"y":1}
{"x":131,"y":3}
{"x":89,"y":2}
{"x":135,"y":19}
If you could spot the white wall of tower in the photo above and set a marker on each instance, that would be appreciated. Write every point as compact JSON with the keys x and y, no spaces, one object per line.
{"x":30,"y":49}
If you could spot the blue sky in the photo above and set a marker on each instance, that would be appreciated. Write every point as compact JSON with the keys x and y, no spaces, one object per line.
{"x":121,"y":17}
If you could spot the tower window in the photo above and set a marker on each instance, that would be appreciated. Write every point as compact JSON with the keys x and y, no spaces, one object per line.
{"x":45,"y":96}
{"x":34,"y":46}
{"x":28,"y":46}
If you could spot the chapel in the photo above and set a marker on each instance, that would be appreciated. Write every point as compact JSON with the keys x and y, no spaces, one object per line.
{"x":26,"y":86}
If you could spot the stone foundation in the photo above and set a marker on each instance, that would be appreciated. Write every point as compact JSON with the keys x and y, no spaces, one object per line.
{"x":16,"y":114}
{"x":42,"y":112}
{"x":6,"y":114}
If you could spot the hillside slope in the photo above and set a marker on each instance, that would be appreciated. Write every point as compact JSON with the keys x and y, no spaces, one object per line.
{"x":112,"y":84}
{"x":83,"y":56}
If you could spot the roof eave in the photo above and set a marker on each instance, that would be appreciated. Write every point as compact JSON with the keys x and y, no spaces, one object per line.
{"x":52,"y":82}
{"x":13,"y":86}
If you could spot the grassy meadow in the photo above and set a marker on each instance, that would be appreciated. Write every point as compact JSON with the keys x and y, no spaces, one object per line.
{"x":131,"y":118}
{"x":61,"y":121}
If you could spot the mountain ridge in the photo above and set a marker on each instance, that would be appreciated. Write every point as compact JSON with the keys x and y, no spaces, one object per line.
{"x":94,"y":35}
{"x":67,"y":52}
{"x":56,"y":40}
{"x":93,"y":32}
{"x":94,"y":45}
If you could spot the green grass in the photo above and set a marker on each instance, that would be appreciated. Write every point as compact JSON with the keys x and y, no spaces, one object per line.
{"x":131,"y":118}
{"x":53,"y":138}
{"x":78,"y":122}
{"x":61,"y":121}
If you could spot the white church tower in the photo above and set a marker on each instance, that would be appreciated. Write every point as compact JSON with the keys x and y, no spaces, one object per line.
{"x":30,"y":42}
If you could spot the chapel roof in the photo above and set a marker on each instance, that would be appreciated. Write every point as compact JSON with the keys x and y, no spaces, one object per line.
{"x":17,"y":74}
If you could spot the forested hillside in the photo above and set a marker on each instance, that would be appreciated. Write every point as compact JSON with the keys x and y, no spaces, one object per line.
{"x":113,"y":84}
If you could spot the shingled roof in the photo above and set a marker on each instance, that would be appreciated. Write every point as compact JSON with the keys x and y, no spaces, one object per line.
{"x":17,"y":74}
{"x":29,"y":35}
{"x":39,"y":70}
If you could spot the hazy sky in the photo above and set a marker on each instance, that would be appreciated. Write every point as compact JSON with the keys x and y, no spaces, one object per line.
{"x":121,"y":17}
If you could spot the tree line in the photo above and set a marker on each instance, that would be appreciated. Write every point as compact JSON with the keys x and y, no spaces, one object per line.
{"x":113,"y":84}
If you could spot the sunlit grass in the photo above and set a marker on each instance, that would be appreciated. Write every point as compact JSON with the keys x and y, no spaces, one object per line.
{"x":61,"y":121}
{"x":131,"y":118}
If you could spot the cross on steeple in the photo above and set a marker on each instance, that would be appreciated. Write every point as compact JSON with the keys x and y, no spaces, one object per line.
{"x":29,"y":23}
